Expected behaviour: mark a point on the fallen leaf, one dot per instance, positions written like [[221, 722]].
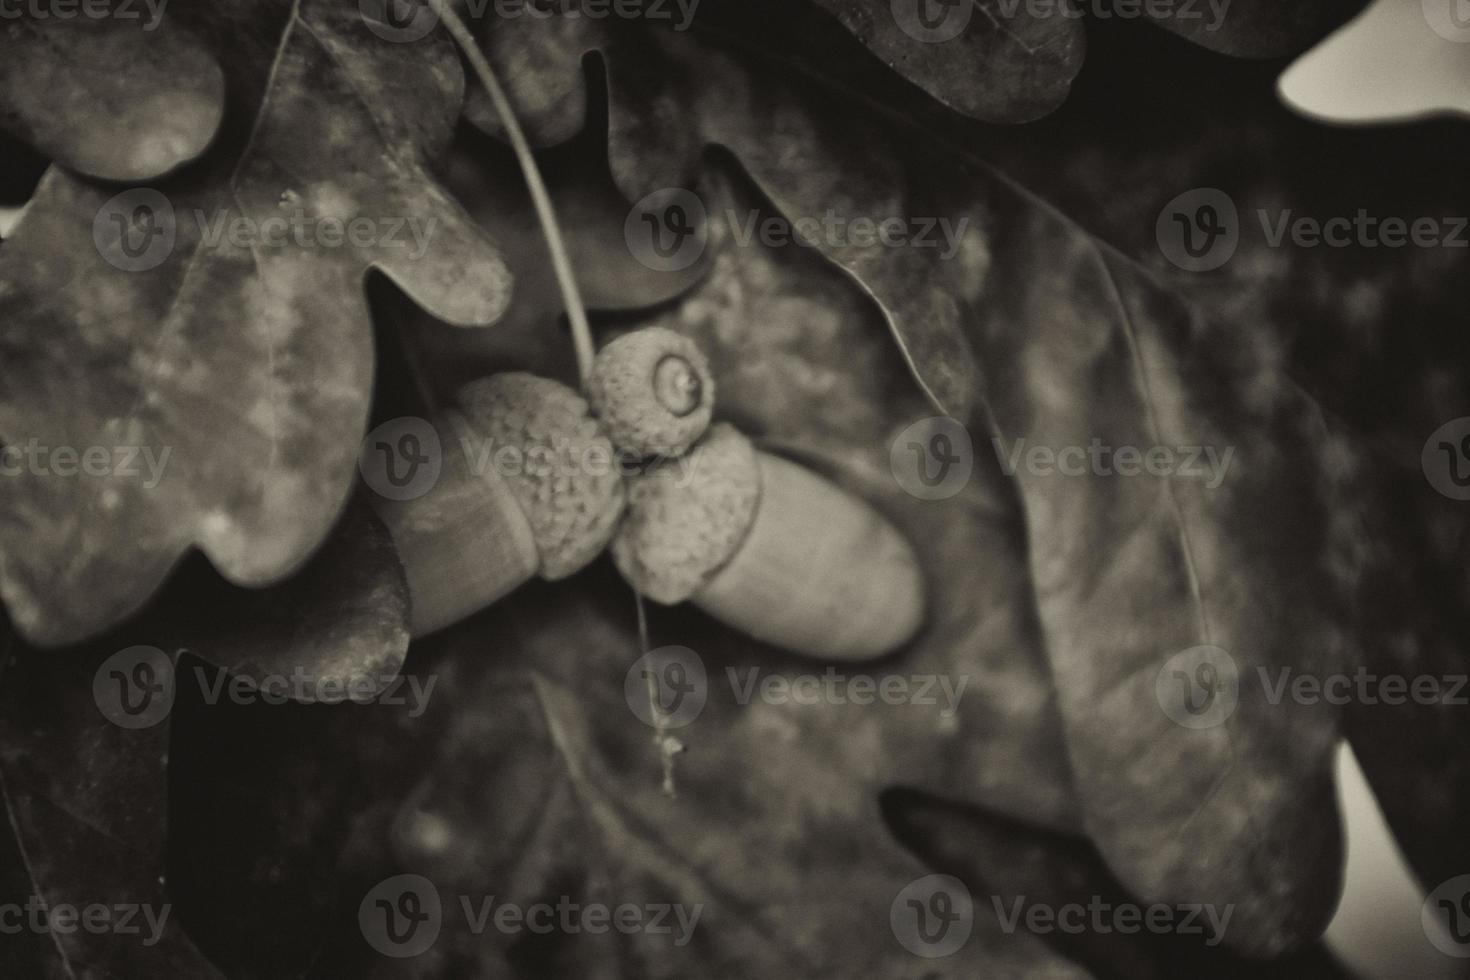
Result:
[[86, 804], [112, 92], [992, 60], [92, 736], [239, 371], [1253, 28], [659, 126], [1078, 345]]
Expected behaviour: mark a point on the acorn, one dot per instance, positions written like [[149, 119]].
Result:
[[534, 490], [653, 390], [772, 549]]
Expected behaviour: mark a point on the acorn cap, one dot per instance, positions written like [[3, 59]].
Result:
[[686, 518], [562, 471], [653, 390]]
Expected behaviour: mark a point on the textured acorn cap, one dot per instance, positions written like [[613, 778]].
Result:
[[653, 390], [687, 517], [563, 473]]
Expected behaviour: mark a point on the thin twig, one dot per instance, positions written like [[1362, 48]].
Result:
[[560, 262], [668, 745]]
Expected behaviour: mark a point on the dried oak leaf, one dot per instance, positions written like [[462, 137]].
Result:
[[239, 363], [1377, 335], [993, 60], [1021, 868], [115, 92], [1077, 345], [660, 126], [1254, 28], [997, 61], [86, 765]]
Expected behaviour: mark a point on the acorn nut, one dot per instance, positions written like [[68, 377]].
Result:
[[533, 491], [771, 548]]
